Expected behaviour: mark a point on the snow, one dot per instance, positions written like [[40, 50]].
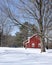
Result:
[[22, 56]]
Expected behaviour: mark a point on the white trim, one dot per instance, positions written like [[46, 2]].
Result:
[[28, 40], [31, 37]]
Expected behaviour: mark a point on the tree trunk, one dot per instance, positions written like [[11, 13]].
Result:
[[0, 39], [42, 44], [41, 29]]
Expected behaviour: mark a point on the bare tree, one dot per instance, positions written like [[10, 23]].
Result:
[[6, 26], [38, 10]]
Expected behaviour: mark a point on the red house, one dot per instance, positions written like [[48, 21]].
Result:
[[32, 42]]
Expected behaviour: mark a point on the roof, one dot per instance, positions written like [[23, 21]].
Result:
[[28, 40], [25, 41], [33, 36]]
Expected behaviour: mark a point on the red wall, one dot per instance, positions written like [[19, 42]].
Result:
[[33, 42]]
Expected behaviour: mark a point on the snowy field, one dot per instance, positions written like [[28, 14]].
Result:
[[22, 56]]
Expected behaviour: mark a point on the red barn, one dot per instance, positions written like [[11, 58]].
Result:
[[32, 42]]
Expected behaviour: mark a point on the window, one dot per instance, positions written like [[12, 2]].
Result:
[[33, 45]]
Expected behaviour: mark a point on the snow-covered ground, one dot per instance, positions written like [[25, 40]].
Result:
[[22, 56]]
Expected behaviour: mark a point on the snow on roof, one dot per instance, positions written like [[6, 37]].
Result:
[[25, 41], [28, 40], [33, 35]]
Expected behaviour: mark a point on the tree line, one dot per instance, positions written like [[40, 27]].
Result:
[[22, 35]]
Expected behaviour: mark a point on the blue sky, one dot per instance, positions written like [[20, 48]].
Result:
[[18, 13], [15, 29]]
